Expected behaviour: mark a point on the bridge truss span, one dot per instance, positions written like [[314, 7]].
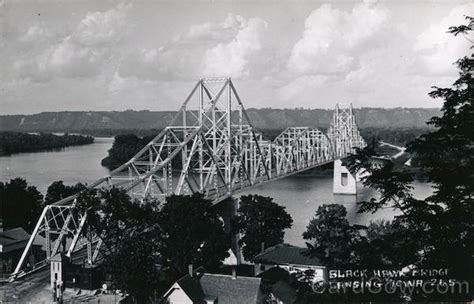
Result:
[[210, 147]]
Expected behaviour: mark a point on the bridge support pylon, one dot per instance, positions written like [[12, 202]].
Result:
[[344, 182]]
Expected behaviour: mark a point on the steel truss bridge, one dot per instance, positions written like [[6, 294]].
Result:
[[210, 147]]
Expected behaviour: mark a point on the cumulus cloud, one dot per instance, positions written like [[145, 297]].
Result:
[[65, 59], [437, 49], [102, 28], [368, 53], [231, 58], [369, 60], [394, 67], [330, 48], [208, 49], [331, 35], [81, 53]]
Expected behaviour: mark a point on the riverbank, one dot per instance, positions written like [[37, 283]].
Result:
[[17, 142]]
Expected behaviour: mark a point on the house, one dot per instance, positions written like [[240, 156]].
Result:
[[207, 288], [12, 244], [292, 259]]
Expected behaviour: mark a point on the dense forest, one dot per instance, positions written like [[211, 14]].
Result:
[[16, 142]]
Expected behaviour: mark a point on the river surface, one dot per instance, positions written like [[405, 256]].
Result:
[[71, 165], [301, 195]]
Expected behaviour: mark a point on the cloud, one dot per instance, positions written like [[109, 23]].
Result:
[[368, 53], [214, 31], [35, 33], [437, 49], [65, 59], [331, 36], [231, 58], [82, 52], [207, 49], [330, 48], [359, 56], [102, 28]]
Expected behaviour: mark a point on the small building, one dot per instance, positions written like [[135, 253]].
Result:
[[207, 288], [290, 258], [12, 244], [76, 273]]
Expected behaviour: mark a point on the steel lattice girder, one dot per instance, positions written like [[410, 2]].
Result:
[[210, 147]]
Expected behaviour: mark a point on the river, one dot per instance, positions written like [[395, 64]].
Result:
[[301, 195], [71, 165]]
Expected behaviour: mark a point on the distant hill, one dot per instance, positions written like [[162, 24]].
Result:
[[261, 118]]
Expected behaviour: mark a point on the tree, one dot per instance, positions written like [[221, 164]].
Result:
[[130, 239], [436, 232], [20, 204], [332, 239], [381, 237], [446, 157], [338, 244], [58, 191], [125, 146], [441, 224], [17, 142], [192, 233], [261, 221], [147, 245]]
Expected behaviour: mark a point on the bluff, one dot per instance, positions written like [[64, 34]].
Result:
[[266, 118]]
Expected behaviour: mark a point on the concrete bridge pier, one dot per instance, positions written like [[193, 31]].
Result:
[[344, 182]]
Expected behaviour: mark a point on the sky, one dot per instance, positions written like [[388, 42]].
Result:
[[80, 55]]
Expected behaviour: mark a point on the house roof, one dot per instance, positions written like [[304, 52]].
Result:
[[231, 290], [192, 288], [14, 235], [285, 254], [224, 288]]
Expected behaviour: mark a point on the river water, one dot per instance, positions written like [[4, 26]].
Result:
[[301, 195], [71, 165]]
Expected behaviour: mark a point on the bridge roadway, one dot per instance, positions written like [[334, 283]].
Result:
[[216, 151], [401, 150]]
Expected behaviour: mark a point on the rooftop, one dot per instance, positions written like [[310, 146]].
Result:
[[224, 288], [16, 238], [192, 288], [231, 290], [14, 235], [285, 254]]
